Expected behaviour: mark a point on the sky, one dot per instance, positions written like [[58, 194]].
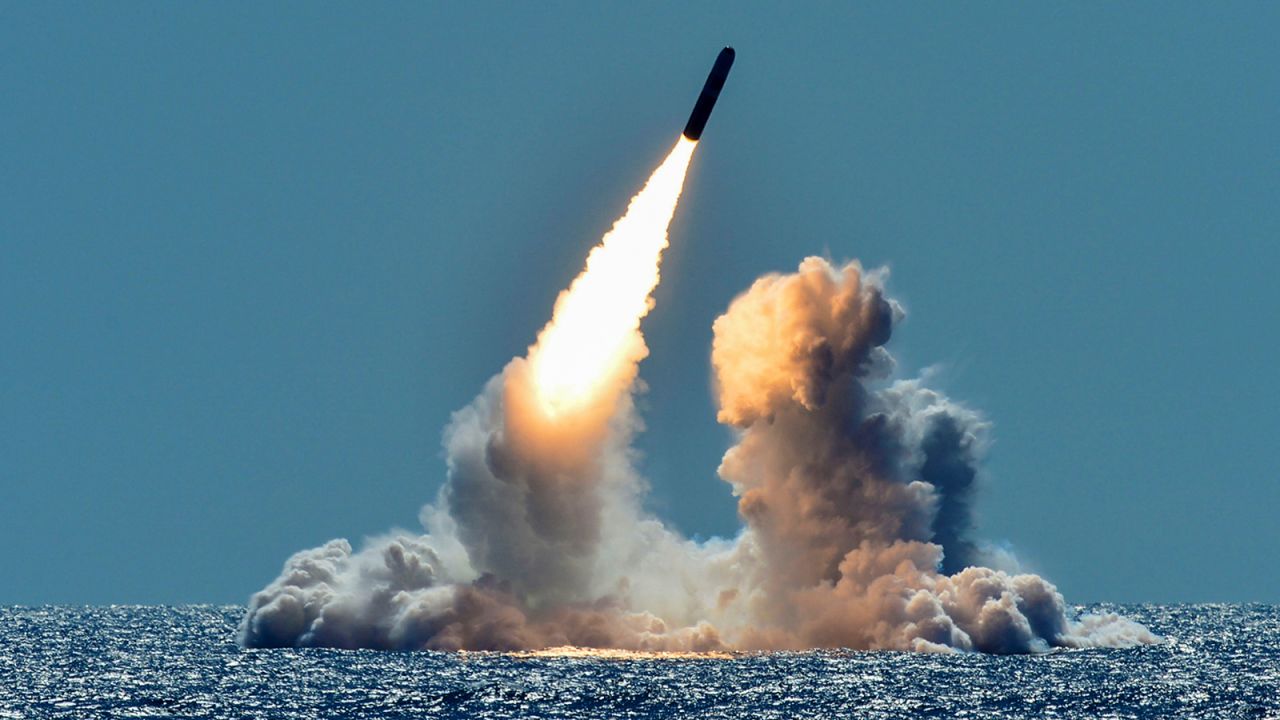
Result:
[[253, 256]]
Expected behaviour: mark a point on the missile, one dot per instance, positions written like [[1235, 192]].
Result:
[[710, 91]]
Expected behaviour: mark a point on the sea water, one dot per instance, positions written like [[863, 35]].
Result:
[[1215, 661]]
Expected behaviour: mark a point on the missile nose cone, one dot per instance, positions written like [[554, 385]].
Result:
[[710, 92]]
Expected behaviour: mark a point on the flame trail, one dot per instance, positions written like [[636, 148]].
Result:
[[593, 332]]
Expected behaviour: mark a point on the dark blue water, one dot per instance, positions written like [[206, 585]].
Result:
[[1217, 661]]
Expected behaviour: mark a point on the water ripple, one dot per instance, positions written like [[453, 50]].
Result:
[[1217, 661]]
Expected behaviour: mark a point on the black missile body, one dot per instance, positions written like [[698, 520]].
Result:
[[710, 91]]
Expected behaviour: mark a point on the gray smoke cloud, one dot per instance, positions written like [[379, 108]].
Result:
[[856, 492]]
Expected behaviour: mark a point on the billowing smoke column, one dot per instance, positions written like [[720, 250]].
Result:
[[855, 491]]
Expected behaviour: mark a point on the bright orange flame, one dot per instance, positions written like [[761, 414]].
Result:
[[594, 332]]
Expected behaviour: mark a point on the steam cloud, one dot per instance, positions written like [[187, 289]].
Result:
[[855, 491]]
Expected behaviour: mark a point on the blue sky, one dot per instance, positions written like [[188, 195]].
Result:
[[251, 258]]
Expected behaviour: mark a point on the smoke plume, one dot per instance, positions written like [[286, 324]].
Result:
[[855, 490]]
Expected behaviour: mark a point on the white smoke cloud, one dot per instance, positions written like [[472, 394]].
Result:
[[856, 493]]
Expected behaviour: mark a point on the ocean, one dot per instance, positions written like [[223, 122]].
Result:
[[1216, 661]]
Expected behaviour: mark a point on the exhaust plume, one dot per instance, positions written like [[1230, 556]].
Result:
[[855, 490], [592, 345]]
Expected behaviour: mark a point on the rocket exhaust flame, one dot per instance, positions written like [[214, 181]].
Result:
[[594, 330]]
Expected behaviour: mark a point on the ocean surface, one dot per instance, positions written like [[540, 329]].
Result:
[[1216, 661]]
